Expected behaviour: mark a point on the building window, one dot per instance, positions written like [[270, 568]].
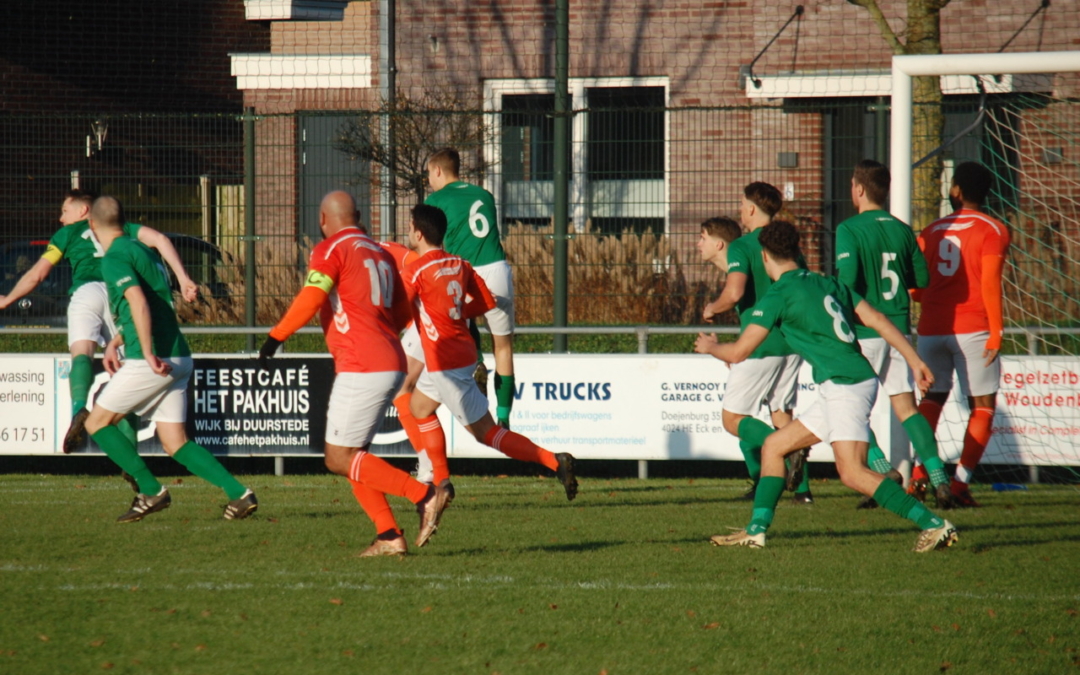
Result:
[[618, 153]]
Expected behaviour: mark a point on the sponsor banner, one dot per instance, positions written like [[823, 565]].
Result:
[[594, 406], [28, 387]]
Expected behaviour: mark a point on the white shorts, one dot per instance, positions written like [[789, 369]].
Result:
[[964, 354], [358, 403], [772, 380], [410, 342], [500, 281], [88, 315], [841, 411], [136, 388], [892, 370], [457, 390]]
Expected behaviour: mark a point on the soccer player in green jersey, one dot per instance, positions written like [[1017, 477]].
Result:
[[473, 234], [878, 257], [89, 323], [770, 375], [152, 380], [816, 314]]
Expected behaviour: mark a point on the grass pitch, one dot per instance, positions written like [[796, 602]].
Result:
[[517, 580]]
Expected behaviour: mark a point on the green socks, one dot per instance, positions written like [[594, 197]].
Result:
[[504, 397], [129, 426], [891, 496], [123, 454], [79, 381], [766, 498], [752, 435], [875, 458], [200, 462], [922, 439]]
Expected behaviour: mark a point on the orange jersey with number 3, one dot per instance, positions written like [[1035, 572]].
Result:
[[367, 306], [444, 293], [955, 247]]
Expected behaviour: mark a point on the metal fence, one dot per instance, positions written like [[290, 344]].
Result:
[[644, 175]]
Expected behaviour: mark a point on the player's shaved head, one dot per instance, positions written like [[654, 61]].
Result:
[[338, 211], [107, 212], [780, 240]]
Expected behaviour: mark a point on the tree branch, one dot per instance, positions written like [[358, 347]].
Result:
[[887, 32]]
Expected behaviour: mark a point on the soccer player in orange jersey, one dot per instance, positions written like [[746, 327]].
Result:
[[353, 284], [445, 293], [961, 324]]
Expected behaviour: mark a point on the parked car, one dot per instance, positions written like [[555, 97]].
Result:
[[47, 304]]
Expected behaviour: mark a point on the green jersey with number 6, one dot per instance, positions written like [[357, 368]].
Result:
[[131, 263], [472, 230], [77, 243], [878, 257], [816, 315]]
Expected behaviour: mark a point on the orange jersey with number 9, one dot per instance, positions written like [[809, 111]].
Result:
[[444, 293]]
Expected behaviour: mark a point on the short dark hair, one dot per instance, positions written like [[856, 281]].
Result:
[[81, 197], [448, 160], [974, 181], [781, 240], [107, 211], [722, 227], [765, 197], [430, 221], [875, 178]]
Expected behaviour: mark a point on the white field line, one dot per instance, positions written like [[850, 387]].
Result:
[[398, 580]]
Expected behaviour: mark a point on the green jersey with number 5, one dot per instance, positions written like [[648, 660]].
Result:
[[131, 263], [816, 316], [472, 230], [77, 243], [878, 257]]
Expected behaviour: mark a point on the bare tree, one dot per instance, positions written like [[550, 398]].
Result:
[[922, 36], [420, 125]]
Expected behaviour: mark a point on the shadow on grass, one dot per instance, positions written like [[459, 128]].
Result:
[[581, 547]]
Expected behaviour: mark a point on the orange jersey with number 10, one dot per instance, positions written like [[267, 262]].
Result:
[[444, 293], [954, 247], [367, 306]]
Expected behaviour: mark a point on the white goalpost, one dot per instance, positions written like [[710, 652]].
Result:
[[906, 67]]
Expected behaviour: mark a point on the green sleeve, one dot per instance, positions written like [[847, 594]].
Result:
[[766, 313], [847, 257], [118, 273], [739, 259], [132, 230], [918, 264]]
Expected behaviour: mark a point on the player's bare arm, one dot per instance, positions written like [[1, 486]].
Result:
[[140, 316], [111, 360], [872, 318], [734, 288], [28, 282], [154, 239], [732, 352]]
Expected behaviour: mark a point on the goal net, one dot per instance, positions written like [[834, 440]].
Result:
[[1029, 140]]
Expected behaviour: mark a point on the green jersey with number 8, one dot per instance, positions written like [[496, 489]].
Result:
[[878, 257], [816, 316], [131, 263], [472, 230]]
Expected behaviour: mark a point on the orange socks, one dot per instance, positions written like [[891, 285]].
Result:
[[375, 506], [383, 477], [975, 440], [434, 441], [516, 446], [408, 422], [931, 410]]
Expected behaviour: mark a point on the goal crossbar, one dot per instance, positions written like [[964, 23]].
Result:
[[906, 67]]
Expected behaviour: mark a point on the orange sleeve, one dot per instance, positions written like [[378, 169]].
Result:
[[992, 267], [401, 306], [479, 300], [303, 308]]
